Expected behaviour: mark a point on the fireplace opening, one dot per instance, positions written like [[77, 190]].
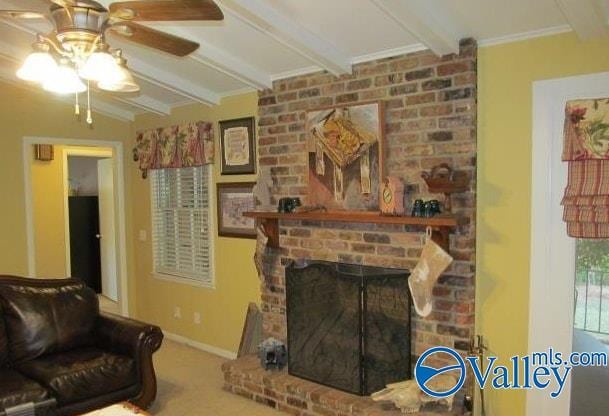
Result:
[[348, 325]]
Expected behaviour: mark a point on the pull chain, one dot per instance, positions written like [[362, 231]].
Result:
[[76, 107], [89, 114]]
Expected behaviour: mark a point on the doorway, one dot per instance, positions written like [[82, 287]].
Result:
[[557, 285], [76, 216], [89, 218]]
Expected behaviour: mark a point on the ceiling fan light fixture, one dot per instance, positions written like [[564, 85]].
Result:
[[38, 64], [64, 80], [102, 67], [126, 84]]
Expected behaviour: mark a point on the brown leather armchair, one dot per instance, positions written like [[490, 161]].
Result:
[[60, 355]]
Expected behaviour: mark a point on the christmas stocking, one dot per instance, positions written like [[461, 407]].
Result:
[[434, 260]]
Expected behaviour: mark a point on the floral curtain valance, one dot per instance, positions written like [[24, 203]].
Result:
[[586, 150], [184, 145]]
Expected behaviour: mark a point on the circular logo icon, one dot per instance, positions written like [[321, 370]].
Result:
[[424, 374]]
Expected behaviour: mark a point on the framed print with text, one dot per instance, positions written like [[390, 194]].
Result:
[[238, 146]]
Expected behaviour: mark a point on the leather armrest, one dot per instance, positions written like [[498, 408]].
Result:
[[136, 340], [127, 336]]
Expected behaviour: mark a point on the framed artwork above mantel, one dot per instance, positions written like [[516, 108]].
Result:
[[238, 146], [346, 156]]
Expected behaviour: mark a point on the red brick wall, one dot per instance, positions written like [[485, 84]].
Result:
[[430, 118]]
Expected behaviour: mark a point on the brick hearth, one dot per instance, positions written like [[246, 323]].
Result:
[[295, 396]]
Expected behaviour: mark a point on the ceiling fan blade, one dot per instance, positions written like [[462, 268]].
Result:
[[78, 3], [165, 10], [22, 14], [154, 38]]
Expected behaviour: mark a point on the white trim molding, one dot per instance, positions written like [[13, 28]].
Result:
[[552, 267], [230, 355], [519, 37], [119, 172]]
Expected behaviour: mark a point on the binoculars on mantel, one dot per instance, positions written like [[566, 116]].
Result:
[[287, 205]]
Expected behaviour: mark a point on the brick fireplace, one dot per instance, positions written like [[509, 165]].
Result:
[[430, 118]]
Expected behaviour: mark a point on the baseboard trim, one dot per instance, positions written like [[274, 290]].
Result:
[[200, 346]]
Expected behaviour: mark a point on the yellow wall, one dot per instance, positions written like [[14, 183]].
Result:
[[31, 113], [223, 308], [505, 76], [47, 206]]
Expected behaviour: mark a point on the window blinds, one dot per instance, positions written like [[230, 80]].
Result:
[[180, 222]]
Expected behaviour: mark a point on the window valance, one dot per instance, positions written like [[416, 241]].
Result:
[[586, 150], [184, 145]]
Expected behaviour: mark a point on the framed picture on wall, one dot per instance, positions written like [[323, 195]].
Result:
[[233, 200], [238, 146]]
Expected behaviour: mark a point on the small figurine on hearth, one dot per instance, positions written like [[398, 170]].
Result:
[[273, 354], [408, 397]]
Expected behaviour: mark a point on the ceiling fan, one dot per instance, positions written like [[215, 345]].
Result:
[[76, 53]]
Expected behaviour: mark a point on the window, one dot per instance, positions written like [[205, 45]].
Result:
[[181, 224]]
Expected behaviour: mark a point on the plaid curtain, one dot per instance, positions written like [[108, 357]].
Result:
[[586, 150], [184, 145]]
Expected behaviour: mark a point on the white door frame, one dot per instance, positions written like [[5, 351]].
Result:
[[119, 172], [67, 152], [552, 268]]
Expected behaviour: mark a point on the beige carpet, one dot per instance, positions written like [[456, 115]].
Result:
[[190, 384]]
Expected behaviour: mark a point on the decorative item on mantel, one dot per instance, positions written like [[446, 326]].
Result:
[[426, 209], [287, 205], [444, 180], [392, 196], [181, 146], [408, 397], [262, 190]]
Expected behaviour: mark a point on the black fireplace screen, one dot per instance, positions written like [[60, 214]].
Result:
[[348, 325]]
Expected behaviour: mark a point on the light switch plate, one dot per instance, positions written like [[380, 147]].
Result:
[[143, 235]]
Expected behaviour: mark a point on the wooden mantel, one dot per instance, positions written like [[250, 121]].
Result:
[[440, 224]]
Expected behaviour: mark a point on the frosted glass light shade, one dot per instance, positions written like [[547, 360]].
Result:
[[127, 84], [37, 67], [64, 80], [101, 67]]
